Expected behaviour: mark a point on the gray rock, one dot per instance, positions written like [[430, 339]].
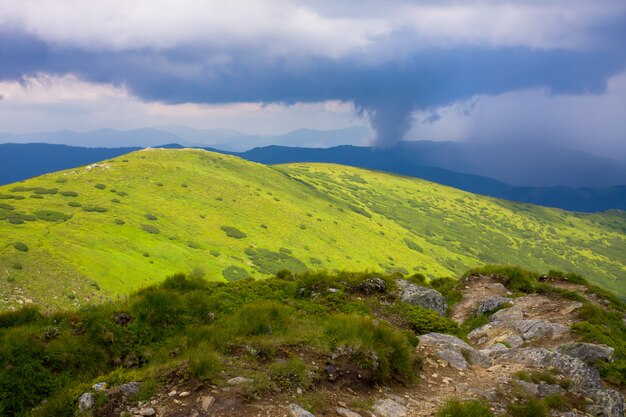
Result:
[[240, 380], [296, 411], [528, 388], [373, 285], [344, 412], [130, 388], [207, 402], [455, 351], [467, 390], [585, 379], [494, 349], [86, 401], [493, 303], [425, 297], [389, 408], [588, 352], [149, 411], [543, 390]]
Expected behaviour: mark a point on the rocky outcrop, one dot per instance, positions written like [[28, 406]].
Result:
[[454, 351], [510, 326], [389, 408], [373, 285], [422, 296], [492, 304], [585, 379], [588, 352], [296, 411]]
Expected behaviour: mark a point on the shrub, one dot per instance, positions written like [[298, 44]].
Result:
[[61, 180], [100, 186], [269, 262], [512, 277], [150, 229], [423, 320], [6, 207], [20, 246], [204, 362], [530, 408], [74, 204], [119, 222], [115, 200], [215, 253], [37, 196], [51, 216], [290, 373], [456, 408], [150, 216], [234, 273], [96, 209], [69, 193], [193, 245], [393, 354], [25, 315], [315, 261], [17, 265], [413, 245], [233, 232], [267, 318]]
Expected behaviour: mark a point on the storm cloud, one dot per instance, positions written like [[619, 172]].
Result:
[[390, 59]]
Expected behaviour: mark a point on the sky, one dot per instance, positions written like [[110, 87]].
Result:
[[548, 71]]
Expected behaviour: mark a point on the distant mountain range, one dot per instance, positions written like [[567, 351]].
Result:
[[427, 160]]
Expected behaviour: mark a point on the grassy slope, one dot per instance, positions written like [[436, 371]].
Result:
[[310, 209]]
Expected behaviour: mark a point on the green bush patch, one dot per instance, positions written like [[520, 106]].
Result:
[[233, 232], [69, 193], [269, 262], [22, 247], [413, 245], [150, 229], [234, 273], [150, 216], [74, 204], [97, 209], [51, 216], [100, 186]]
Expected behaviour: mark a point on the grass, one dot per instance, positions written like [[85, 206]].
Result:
[[456, 408], [424, 226], [251, 328]]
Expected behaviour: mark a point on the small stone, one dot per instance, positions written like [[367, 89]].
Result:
[[344, 412], [130, 388], [296, 411], [447, 380], [299, 391], [239, 380], [100, 386], [172, 393], [184, 394], [207, 402], [147, 412], [86, 401]]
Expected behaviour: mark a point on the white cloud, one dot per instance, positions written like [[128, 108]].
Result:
[[45, 102], [281, 27]]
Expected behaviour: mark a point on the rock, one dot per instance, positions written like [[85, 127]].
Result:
[[373, 285], [425, 297], [455, 351], [296, 411], [467, 390], [389, 408], [86, 401], [130, 388], [588, 352], [496, 287], [122, 319], [585, 379], [498, 347], [149, 411], [184, 394], [344, 412], [100, 386], [543, 390], [207, 402], [528, 388], [172, 393], [239, 380], [493, 303]]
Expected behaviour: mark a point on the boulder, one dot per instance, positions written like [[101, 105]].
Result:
[[588, 352], [130, 388], [344, 412], [389, 408], [296, 411], [240, 380], [454, 350], [86, 401], [422, 296], [149, 411], [492, 304], [373, 285]]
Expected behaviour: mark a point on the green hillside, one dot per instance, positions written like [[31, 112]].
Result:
[[98, 232]]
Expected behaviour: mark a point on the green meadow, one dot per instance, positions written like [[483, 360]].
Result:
[[96, 233]]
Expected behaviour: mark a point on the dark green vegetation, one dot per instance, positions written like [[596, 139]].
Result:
[[327, 217], [267, 323], [456, 408]]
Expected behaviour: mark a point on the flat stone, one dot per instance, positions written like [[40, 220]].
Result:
[[147, 412], [207, 402], [493, 303], [239, 380], [389, 408], [296, 411], [130, 388], [344, 412], [588, 352], [86, 401], [184, 394]]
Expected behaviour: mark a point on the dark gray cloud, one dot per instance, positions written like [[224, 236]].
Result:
[[398, 72]]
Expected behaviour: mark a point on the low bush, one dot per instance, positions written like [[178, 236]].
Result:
[[290, 373], [456, 408], [51, 216], [150, 216], [150, 229], [69, 193], [423, 320], [22, 247], [269, 262], [119, 222], [74, 204], [234, 273], [529, 408], [96, 209], [204, 363], [100, 186], [233, 232], [512, 277]]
